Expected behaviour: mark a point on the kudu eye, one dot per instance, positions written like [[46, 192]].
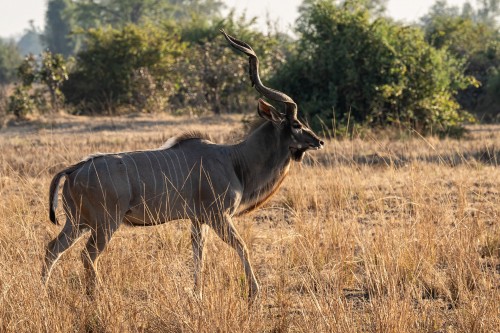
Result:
[[297, 126]]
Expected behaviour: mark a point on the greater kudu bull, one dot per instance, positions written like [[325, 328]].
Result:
[[188, 178]]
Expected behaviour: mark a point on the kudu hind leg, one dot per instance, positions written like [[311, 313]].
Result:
[[66, 238], [198, 236], [96, 243], [227, 232]]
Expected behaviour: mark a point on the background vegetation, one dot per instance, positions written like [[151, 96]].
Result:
[[347, 65]]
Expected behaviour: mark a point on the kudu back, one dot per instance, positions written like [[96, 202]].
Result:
[[188, 178]]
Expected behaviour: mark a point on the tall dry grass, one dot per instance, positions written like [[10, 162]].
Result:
[[368, 235]]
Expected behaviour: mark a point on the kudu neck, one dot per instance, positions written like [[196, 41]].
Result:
[[262, 158]]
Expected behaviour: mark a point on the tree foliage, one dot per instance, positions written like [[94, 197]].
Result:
[[59, 25], [472, 35], [137, 65], [123, 66], [118, 13], [9, 60], [30, 42], [52, 72], [349, 67], [21, 102], [349, 63], [48, 72], [214, 77]]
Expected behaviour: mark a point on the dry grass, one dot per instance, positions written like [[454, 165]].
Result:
[[371, 235]]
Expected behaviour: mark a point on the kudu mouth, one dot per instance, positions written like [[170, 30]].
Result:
[[318, 146], [298, 153]]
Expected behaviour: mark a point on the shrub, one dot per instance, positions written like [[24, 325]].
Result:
[[49, 72], [213, 77], [348, 67], [473, 35], [123, 66], [9, 60]]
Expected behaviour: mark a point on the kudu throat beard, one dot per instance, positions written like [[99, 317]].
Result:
[[297, 154]]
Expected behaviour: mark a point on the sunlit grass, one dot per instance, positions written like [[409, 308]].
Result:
[[368, 235]]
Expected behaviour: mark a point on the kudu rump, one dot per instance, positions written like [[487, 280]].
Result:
[[188, 178]]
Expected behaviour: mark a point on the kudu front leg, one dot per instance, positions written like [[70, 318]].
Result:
[[198, 236], [227, 232]]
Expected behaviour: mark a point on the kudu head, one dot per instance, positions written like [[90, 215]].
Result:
[[298, 136]]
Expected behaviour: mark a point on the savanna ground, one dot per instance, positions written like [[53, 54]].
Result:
[[368, 235]]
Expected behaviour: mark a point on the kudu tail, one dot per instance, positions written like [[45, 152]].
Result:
[[54, 189]]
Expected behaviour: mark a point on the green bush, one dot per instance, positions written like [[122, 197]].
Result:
[[348, 67], [20, 102], [48, 73], [213, 77], [126, 66], [10, 59], [52, 73], [476, 40]]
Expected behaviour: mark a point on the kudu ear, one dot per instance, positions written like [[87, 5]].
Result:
[[267, 111]]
